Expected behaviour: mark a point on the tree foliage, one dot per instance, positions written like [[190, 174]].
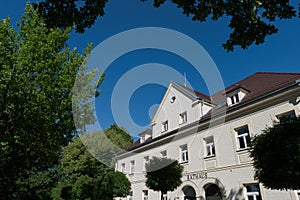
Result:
[[82, 176], [38, 71], [163, 174], [118, 136], [276, 155], [251, 21]]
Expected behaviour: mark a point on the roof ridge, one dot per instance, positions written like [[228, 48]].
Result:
[[188, 88], [282, 73], [256, 73]]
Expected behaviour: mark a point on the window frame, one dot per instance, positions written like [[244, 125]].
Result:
[[165, 126], [143, 138], [235, 99], [163, 154], [132, 167], [123, 165], [145, 162], [246, 136], [165, 196], [210, 147], [184, 154], [256, 195], [130, 196], [289, 114], [183, 117], [145, 194], [298, 194]]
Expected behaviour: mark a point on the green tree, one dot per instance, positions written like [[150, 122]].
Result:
[[163, 174], [251, 21], [38, 71], [82, 176], [118, 136], [276, 155]]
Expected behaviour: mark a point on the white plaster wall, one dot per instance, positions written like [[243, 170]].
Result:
[[229, 169], [170, 111]]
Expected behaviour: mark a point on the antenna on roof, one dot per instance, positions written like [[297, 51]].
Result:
[[184, 79]]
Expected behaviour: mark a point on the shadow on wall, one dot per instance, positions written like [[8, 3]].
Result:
[[235, 194]]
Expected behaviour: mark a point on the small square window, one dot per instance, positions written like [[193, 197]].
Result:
[[298, 194], [243, 137], [252, 191], [163, 154], [183, 118], [210, 146], [184, 154], [165, 126]]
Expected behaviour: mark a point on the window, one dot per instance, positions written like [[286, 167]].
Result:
[[243, 137], [235, 95], [146, 160], [252, 191], [132, 167], [165, 126], [123, 167], [298, 194], [163, 154], [210, 146], [145, 194], [234, 99], [184, 154], [183, 118], [165, 196], [288, 115], [130, 197], [143, 138]]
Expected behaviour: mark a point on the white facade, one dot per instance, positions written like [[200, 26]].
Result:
[[213, 150]]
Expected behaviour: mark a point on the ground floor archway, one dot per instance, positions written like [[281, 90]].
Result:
[[189, 193], [212, 192]]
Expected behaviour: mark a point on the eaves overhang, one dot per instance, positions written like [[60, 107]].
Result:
[[204, 120]]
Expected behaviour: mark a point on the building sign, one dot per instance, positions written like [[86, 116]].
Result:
[[196, 176]]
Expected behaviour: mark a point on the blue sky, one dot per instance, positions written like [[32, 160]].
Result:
[[280, 53]]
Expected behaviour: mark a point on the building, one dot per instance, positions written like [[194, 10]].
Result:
[[209, 135]]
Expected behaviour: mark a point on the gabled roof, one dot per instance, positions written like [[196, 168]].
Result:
[[256, 85], [188, 92], [195, 92]]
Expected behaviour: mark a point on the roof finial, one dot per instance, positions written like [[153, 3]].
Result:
[[184, 79]]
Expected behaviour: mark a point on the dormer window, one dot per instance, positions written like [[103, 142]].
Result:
[[235, 95], [145, 135], [143, 139], [235, 99]]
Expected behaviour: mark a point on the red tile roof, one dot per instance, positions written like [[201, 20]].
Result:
[[259, 83], [137, 143], [256, 85]]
